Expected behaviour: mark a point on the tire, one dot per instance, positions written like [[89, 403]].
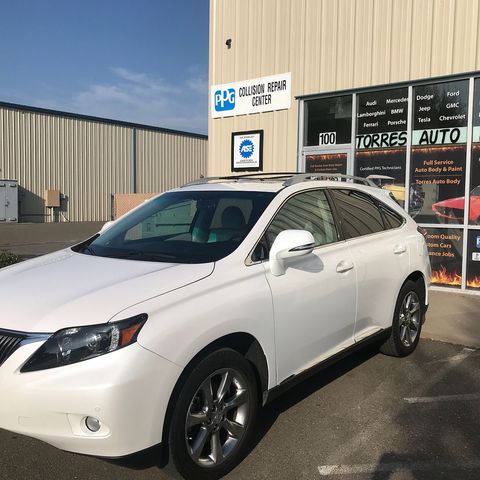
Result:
[[407, 321], [209, 434]]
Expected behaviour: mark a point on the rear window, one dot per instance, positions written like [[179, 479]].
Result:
[[390, 218], [359, 213]]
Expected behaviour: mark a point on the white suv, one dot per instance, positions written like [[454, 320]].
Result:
[[178, 321]]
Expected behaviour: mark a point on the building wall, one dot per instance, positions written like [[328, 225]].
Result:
[[330, 45], [183, 159], [89, 161]]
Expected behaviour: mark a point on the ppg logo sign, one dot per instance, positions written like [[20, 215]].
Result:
[[225, 99]]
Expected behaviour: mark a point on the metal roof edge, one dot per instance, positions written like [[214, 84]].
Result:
[[91, 118]]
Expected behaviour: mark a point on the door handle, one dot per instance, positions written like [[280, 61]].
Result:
[[344, 266], [399, 249]]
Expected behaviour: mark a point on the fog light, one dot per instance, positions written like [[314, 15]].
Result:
[[93, 424]]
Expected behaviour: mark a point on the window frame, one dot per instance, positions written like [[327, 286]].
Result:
[[377, 203], [249, 260], [393, 212]]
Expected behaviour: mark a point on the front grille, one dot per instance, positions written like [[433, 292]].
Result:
[[9, 342]]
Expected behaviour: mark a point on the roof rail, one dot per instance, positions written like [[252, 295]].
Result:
[[292, 178], [304, 177], [247, 176]]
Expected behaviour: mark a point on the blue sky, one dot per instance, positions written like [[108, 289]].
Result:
[[142, 61]]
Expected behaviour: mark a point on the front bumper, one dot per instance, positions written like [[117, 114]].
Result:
[[127, 390]]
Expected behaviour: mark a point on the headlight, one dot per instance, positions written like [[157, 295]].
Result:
[[73, 345]]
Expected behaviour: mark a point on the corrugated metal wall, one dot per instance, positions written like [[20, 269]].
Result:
[[166, 160], [330, 45], [88, 161]]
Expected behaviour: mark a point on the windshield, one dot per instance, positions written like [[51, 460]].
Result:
[[182, 227]]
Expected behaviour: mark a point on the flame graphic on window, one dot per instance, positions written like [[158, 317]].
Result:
[[446, 278], [473, 282]]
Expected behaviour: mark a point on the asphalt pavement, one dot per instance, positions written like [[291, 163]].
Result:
[[32, 239], [368, 417]]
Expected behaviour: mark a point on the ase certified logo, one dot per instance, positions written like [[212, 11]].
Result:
[[246, 148], [224, 99]]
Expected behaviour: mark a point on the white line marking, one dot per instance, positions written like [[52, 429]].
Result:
[[358, 441], [466, 352], [327, 470], [444, 398]]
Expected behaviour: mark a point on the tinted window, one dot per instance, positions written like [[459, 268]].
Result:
[[390, 218], [306, 211], [359, 213], [328, 116], [183, 227]]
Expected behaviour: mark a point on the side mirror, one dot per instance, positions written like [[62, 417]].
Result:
[[289, 243], [106, 225]]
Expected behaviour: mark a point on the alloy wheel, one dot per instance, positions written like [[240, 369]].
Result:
[[217, 417], [409, 319]]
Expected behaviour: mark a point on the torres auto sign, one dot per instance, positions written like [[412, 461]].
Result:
[[251, 96]]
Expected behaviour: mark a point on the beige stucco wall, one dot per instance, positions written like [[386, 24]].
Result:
[[330, 45]]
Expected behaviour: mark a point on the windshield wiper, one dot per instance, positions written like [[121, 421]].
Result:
[[89, 249], [85, 245], [151, 256]]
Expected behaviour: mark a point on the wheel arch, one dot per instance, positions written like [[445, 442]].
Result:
[[243, 343], [419, 278]]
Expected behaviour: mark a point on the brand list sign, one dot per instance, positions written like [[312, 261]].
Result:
[[251, 96], [382, 119], [440, 113]]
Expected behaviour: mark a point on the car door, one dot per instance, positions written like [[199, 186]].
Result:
[[381, 256], [314, 301]]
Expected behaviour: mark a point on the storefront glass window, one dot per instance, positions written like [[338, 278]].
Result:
[[381, 137], [445, 247], [438, 154], [326, 163], [474, 215], [438, 184], [473, 245], [438, 144], [328, 121], [473, 260]]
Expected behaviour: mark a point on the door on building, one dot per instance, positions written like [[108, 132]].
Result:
[[327, 160], [8, 201]]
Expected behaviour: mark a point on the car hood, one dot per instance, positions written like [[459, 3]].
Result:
[[67, 289]]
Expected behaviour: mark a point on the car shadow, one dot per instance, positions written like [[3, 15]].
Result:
[[270, 412], [158, 456], [442, 436]]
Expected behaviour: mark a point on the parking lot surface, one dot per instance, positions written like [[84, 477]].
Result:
[[32, 239], [368, 417]]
